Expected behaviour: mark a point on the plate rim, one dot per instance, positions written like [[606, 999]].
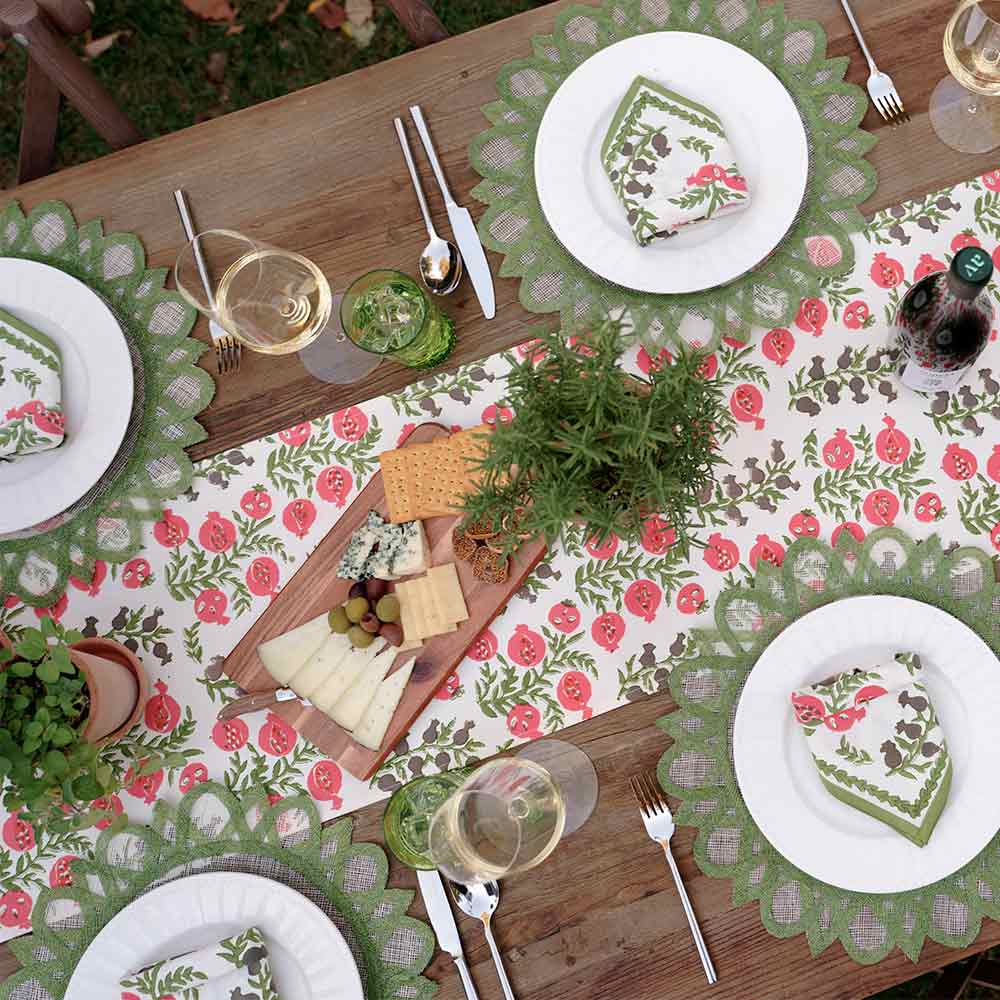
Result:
[[647, 286]]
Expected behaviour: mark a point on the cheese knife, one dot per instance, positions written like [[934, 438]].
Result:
[[258, 701], [462, 226], [443, 921]]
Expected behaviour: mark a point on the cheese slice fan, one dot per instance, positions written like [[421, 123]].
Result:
[[353, 702], [308, 678], [283, 655], [348, 670], [372, 728]]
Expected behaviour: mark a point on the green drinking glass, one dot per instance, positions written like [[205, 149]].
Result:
[[407, 818], [387, 313]]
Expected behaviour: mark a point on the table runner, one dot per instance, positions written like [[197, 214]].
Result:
[[213, 830], [817, 432], [707, 681]]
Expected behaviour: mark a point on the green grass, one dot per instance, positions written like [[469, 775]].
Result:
[[158, 78]]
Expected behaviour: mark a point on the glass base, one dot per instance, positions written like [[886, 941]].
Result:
[[332, 358], [573, 772], [963, 120]]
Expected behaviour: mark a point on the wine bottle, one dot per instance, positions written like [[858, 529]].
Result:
[[944, 322]]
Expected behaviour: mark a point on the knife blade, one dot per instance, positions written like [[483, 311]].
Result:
[[443, 921], [462, 226]]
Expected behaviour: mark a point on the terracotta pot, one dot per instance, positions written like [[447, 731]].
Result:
[[116, 683]]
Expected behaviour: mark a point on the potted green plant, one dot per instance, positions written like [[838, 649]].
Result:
[[592, 448], [62, 697]]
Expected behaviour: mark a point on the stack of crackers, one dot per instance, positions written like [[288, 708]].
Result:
[[432, 480]]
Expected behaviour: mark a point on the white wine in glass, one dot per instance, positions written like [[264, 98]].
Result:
[[963, 109]]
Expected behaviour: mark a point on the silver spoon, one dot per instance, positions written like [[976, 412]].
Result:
[[440, 261], [480, 900]]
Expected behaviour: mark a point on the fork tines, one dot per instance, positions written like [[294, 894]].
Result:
[[228, 353], [647, 793], [890, 107]]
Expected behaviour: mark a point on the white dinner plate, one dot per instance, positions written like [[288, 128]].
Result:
[[763, 127], [310, 960], [821, 835], [97, 387]]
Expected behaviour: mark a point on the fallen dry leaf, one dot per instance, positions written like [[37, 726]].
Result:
[[93, 47], [236, 29], [331, 15], [280, 9], [360, 34], [359, 12], [211, 10], [215, 68]]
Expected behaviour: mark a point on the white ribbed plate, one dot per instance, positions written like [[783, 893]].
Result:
[[310, 960], [782, 789]]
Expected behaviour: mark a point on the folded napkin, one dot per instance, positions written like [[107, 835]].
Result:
[[235, 969], [30, 390], [878, 746], [670, 162]]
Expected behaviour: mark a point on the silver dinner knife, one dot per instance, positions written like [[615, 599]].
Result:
[[443, 921], [462, 226]]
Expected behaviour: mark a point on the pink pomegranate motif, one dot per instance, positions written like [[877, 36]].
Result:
[[404, 433], [647, 364], [324, 783], [574, 692], [136, 573], [526, 647], [842, 721], [494, 414], [484, 646], [767, 550], [532, 350], [607, 630], [886, 272], [857, 315], [565, 617], [964, 239], [262, 577], [192, 775], [928, 507], [210, 607], [991, 180], [721, 554], [746, 403], [231, 735], [643, 599], [99, 576], [808, 708], [350, 424], [805, 524], [959, 463], [823, 251], [712, 173], [868, 693], [54, 611], [995, 536], [708, 368], [928, 265], [15, 909], [777, 345], [276, 737], [993, 465], [49, 421], [61, 874], [601, 549], [657, 536], [891, 444], [11, 601], [334, 484], [143, 786], [449, 689], [852, 528], [838, 452], [523, 721], [18, 834], [995, 257], [881, 507], [162, 711], [690, 598], [299, 516], [812, 316], [109, 805], [217, 533], [256, 502], [171, 530], [296, 435]]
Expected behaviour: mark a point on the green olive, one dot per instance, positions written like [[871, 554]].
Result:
[[387, 608], [359, 637], [337, 620], [356, 608]]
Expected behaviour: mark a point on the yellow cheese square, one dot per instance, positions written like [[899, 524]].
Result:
[[446, 591]]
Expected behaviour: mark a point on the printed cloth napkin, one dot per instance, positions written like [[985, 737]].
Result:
[[31, 417], [878, 745], [235, 969], [670, 162]]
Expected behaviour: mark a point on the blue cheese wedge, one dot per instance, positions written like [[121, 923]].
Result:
[[374, 724], [353, 702], [283, 655], [413, 552], [380, 563], [361, 545], [347, 671]]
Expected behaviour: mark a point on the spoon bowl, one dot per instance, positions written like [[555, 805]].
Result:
[[480, 900], [440, 266]]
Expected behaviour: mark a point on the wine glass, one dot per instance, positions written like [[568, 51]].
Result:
[[961, 111], [509, 815]]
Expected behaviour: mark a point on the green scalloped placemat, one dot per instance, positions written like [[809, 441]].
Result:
[[157, 323], [211, 830], [818, 247], [698, 768]]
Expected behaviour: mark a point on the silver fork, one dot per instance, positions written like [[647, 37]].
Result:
[[660, 826], [880, 86], [228, 350]]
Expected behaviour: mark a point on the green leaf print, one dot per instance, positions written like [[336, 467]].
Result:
[[418, 400], [29, 869], [929, 213], [171, 751], [838, 296], [763, 488], [442, 747], [979, 506], [192, 642], [294, 468], [853, 754], [601, 583], [858, 371], [962, 411], [26, 377], [698, 145], [282, 775]]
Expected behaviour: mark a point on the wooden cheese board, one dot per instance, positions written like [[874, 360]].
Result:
[[315, 589]]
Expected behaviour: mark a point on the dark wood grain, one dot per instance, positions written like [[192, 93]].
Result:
[[418, 18], [40, 120], [316, 588]]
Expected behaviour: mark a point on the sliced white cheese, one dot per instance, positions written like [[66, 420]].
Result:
[[413, 552], [352, 704], [372, 728], [348, 670], [283, 655], [308, 678]]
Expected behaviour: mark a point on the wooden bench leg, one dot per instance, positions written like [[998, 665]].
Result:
[[38, 132], [420, 22]]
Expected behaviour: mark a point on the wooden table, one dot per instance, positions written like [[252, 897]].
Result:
[[319, 171]]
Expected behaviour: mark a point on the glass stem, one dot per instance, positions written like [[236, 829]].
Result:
[[974, 104]]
